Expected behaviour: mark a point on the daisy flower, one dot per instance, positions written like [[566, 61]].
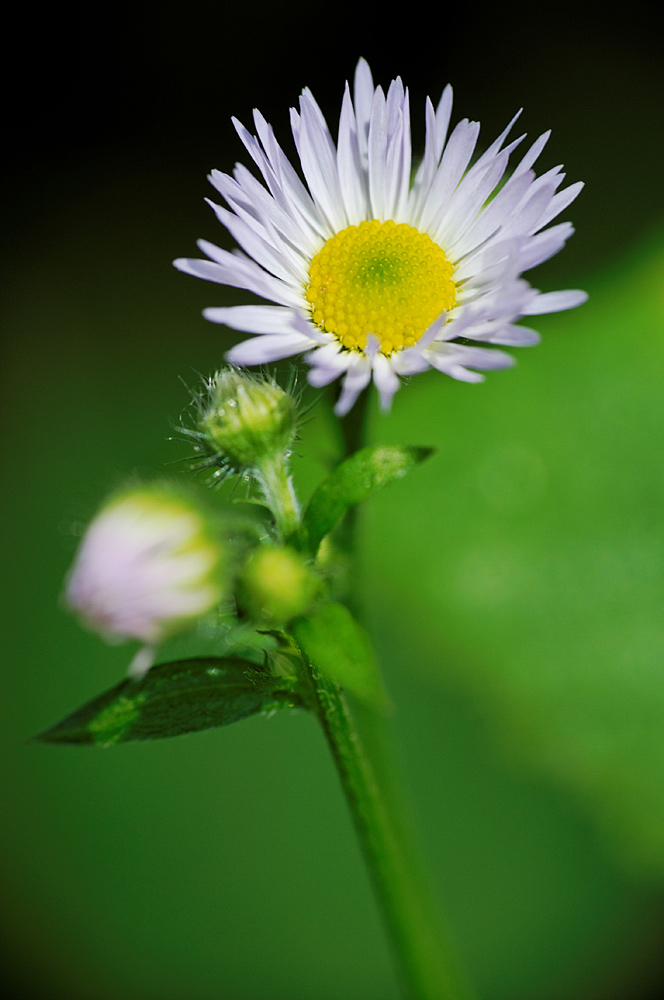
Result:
[[372, 274]]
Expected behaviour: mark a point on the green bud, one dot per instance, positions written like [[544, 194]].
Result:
[[247, 418], [277, 585]]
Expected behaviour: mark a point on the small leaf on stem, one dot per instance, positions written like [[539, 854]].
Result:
[[353, 481], [175, 698], [331, 638]]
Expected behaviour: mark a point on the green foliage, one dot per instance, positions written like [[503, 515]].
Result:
[[176, 698], [353, 481], [539, 584], [331, 639]]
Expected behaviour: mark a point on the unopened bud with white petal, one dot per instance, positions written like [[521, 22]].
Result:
[[150, 564]]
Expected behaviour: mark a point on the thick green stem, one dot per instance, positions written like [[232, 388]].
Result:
[[357, 740]]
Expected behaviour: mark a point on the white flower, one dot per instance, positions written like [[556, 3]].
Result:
[[148, 566], [375, 276]]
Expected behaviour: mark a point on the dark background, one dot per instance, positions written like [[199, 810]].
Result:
[[155, 85], [526, 562]]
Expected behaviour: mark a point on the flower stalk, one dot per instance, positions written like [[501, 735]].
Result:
[[356, 737], [274, 480]]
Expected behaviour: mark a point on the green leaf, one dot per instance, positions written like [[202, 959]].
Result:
[[176, 698], [332, 640], [353, 481]]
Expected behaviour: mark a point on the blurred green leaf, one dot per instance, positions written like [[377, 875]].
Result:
[[175, 698], [539, 583], [353, 481], [332, 639]]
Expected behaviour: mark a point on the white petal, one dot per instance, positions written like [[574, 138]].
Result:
[[527, 214], [450, 356], [319, 164], [245, 191], [561, 201], [436, 133], [549, 302], [205, 269], [483, 358], [352, 177], [462, 374], [544, 245], [320, 377], [507, 201], [356, 379], [386, 380], [443, 114], [427, 168], [456, 157], [241, 272], [398, 149], [432, 332], [253, 319], [363, 99], [327, 364], [280, 175], [532, 154], [497, 144], [377, 150], [411, 361], [330, 355], [271, 347], [457, 228], [462, 324], [506, 334], [497, 262], [267, 253]]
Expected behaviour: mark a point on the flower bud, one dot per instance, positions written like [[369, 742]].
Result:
[[277, 585], [149, 565], [246, 419]]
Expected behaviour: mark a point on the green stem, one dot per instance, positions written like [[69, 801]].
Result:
[[357, 740], [354, 424], [353, 428], [276, 484]]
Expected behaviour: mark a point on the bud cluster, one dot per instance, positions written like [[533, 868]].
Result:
[[154, 560]]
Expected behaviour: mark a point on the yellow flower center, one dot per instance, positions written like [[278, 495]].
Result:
[[379, 278]]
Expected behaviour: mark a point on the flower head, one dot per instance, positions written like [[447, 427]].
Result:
[[149, 565], [372, 275]]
